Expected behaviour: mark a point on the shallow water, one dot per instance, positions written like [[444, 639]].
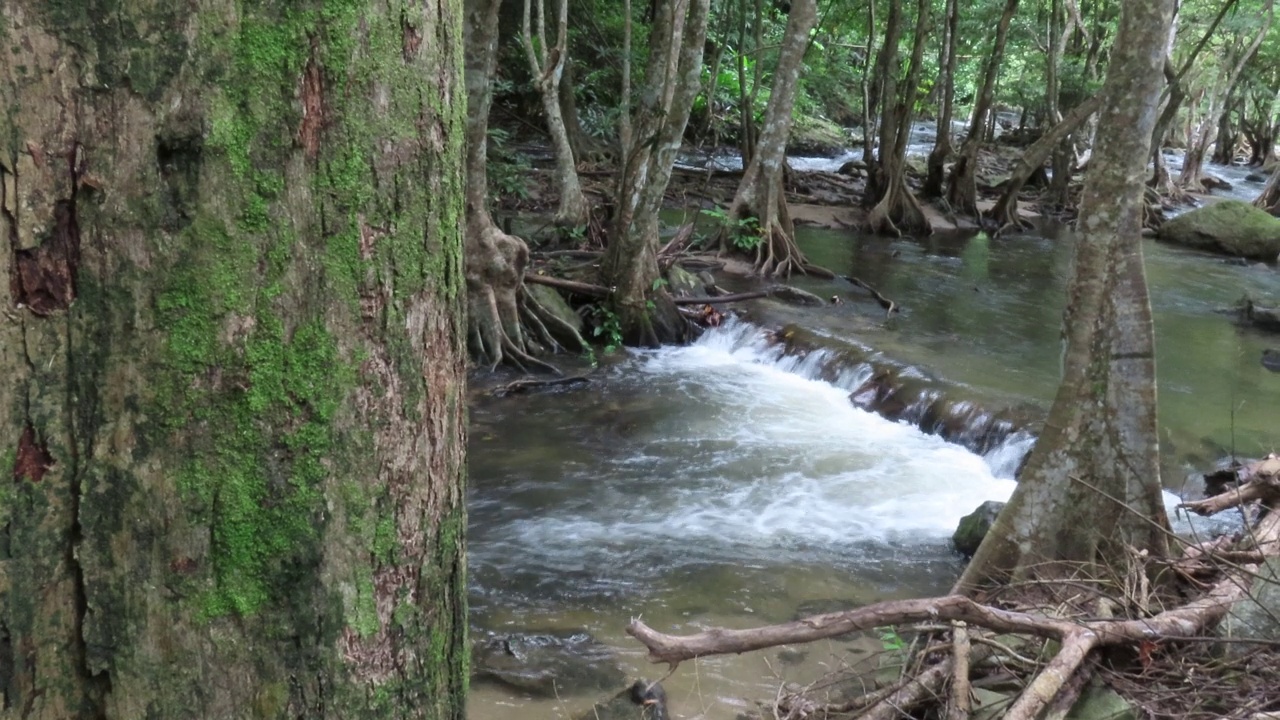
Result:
[[724, 484]]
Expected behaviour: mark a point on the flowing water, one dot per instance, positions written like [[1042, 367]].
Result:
[[728, 484]]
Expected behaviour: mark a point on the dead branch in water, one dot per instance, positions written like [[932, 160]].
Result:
[[888, 305], [520, 386], [573, 286]]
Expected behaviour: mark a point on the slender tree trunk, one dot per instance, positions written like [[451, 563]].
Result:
[[505, 324], [624, 121], [1005, 212], [962, 187], [1090, 493], [760, 194], [870, 92], [645, 312], [546, 65], [1224, 150], [232, 367], [897, 210], [947, 78]]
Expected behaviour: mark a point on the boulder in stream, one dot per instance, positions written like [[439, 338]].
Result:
[[974, 526], [1231, 227], [644, 700], [548, 664]]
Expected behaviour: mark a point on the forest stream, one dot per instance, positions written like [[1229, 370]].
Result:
[[725, 483]]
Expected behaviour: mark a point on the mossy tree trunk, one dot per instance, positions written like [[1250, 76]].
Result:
[[231, 360], [896, 209], [646, 313], [505, 324], [947, 79], [962, 183], [760, 194], [1090, 495]]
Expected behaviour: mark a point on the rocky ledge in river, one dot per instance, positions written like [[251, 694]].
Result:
[[547, 664]]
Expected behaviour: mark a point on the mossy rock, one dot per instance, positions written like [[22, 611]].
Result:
[[974, 526], [817, 137], [683, 283], [554, 303], [1231, 227], [1099, 702]]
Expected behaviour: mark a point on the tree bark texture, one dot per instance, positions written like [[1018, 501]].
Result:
[[962, 185], [1098, 448], [672, 80], [231, 370], [760, 193]]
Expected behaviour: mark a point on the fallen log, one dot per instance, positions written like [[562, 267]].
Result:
[[596, 291]]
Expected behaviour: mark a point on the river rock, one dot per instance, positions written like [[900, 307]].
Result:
[[548, 664], [1271, 359], [974, 526], [1255, 178], [1213, 182], [683, 283], [1256, 616], [642, 701], [1231, 227], [1259, 316], [1099, 702], [555, 303]]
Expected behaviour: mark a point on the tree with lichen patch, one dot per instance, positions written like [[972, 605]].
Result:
[[505, 323], [1090, 495], [231, 360]]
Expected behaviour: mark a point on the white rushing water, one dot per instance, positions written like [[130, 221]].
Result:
[[744, 456]]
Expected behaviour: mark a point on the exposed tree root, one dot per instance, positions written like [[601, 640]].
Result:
[[889, 306], [1269, 199], [898, 212], [523, 386], [506, 324], [1052, 689]]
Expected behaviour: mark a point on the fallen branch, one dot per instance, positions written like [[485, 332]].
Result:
[[959, 706], [596, 291], [520, 386], [1262, 482], [785, 292], [888, 305]]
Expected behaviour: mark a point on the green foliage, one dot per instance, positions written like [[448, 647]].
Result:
[[890, 640], [743, 232], [509, 170], [606, 327]]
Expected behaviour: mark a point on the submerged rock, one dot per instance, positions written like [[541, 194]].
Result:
[[548, 664], [1231, 227], [974, 526], [644, 700], [1256, 616]]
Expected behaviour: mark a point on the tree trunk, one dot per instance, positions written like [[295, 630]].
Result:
[[645, 312], [760, 194], [947, 78], [870, 92], [231, 361], [505, 324], [1269, 198], [546, 65], [1091, 492], [897, 210], [1005, 212], [962, 186]]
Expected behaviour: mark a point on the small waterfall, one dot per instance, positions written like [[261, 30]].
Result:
[[901, 394]]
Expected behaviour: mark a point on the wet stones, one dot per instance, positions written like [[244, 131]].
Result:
[[974, 526], [548, 664], [644, 700]]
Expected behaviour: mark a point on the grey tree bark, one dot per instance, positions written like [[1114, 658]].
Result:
[[760, 194], [232, 360], [942, 149], [1098, 453], [646, 314]]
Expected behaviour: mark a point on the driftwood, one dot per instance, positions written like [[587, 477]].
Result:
[[1054, 688], [573, 286], [783, 292], [888, 305]]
